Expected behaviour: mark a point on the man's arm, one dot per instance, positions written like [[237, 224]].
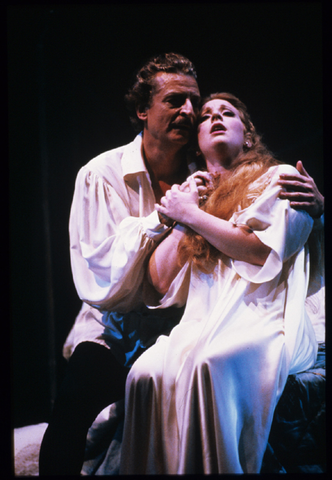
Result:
[[302, 192], [108, 246]]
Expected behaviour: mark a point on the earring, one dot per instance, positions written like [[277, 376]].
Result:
[[248, 144]]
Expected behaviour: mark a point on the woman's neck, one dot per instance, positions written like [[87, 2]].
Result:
[[215, 167], [221, 165]]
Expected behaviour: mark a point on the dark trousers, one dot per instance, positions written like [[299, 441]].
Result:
[[94, 379]]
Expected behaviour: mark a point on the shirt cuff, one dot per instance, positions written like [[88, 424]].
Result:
[[152, 226]]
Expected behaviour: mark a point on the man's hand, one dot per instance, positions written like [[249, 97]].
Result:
[[302, 192]]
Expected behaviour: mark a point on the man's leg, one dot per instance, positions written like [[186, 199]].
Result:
[[94, 379]]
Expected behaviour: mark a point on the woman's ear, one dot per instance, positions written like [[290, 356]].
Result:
[[247, 140]]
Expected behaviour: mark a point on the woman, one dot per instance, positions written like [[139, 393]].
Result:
[[202, 399]]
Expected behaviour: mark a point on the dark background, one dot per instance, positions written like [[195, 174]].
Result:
[[68, 71]]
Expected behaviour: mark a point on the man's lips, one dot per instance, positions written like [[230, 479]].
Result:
[[185, 126]]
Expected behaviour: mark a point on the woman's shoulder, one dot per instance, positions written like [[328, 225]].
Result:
[[283, 168], [269, 179]]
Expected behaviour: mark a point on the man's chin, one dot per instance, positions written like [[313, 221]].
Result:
[[181, 135]]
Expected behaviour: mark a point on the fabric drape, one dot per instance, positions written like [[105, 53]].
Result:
[[202, 399]]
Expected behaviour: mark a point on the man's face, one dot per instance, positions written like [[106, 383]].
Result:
[[173, 110]]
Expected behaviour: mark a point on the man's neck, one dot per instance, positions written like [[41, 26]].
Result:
[[164, 162], [165, 166]]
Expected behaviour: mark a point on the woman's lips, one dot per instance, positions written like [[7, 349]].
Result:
[[217, 127]]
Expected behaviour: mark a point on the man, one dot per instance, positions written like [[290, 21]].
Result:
[[113, 230]]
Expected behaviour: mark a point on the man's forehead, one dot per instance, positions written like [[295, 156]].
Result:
[[165, 82]]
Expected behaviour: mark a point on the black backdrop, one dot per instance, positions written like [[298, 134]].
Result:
[[68, 70]]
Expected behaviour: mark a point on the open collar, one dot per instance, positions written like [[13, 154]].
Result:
[[132, 159]]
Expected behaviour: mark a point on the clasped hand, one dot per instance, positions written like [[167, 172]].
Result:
[[181, 201], [203, 180]]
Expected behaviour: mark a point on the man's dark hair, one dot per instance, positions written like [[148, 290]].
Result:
[[140, 94]]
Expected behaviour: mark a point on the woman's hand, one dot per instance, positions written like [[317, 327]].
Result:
[[204, 182], [180, 204], [304, 194]]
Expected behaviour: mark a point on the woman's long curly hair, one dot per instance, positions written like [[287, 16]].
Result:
[[231, 193]]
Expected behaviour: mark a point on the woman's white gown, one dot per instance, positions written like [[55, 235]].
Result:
[[202, 399]]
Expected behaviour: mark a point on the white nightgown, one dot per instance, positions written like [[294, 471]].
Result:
[[202, 400]]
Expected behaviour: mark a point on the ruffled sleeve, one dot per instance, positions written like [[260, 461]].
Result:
[[280, 227], [108, 246]]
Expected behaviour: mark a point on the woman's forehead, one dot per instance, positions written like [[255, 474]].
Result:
[[219, 104]]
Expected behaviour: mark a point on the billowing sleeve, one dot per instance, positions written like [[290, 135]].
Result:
[[108, 246], [280, 227]]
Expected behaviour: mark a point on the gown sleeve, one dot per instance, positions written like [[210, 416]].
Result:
[[279, 226], [108, 246]]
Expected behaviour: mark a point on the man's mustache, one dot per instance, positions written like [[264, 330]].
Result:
[[183, 123]]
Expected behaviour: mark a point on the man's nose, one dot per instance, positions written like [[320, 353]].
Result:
[[187, 108]]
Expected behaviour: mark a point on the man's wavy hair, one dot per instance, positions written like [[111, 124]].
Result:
[[230, 193], [140, 94]]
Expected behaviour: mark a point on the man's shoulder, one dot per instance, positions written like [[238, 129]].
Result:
[[108, 163], [109, 157]]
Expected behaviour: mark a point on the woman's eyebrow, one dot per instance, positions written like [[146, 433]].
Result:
[[226, 107], [221, 108], [206, 110]]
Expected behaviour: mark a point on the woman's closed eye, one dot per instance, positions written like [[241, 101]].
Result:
[[228, 113], [203, 118], [206, 116]]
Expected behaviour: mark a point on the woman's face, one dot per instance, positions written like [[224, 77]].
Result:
[[220, 131]]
